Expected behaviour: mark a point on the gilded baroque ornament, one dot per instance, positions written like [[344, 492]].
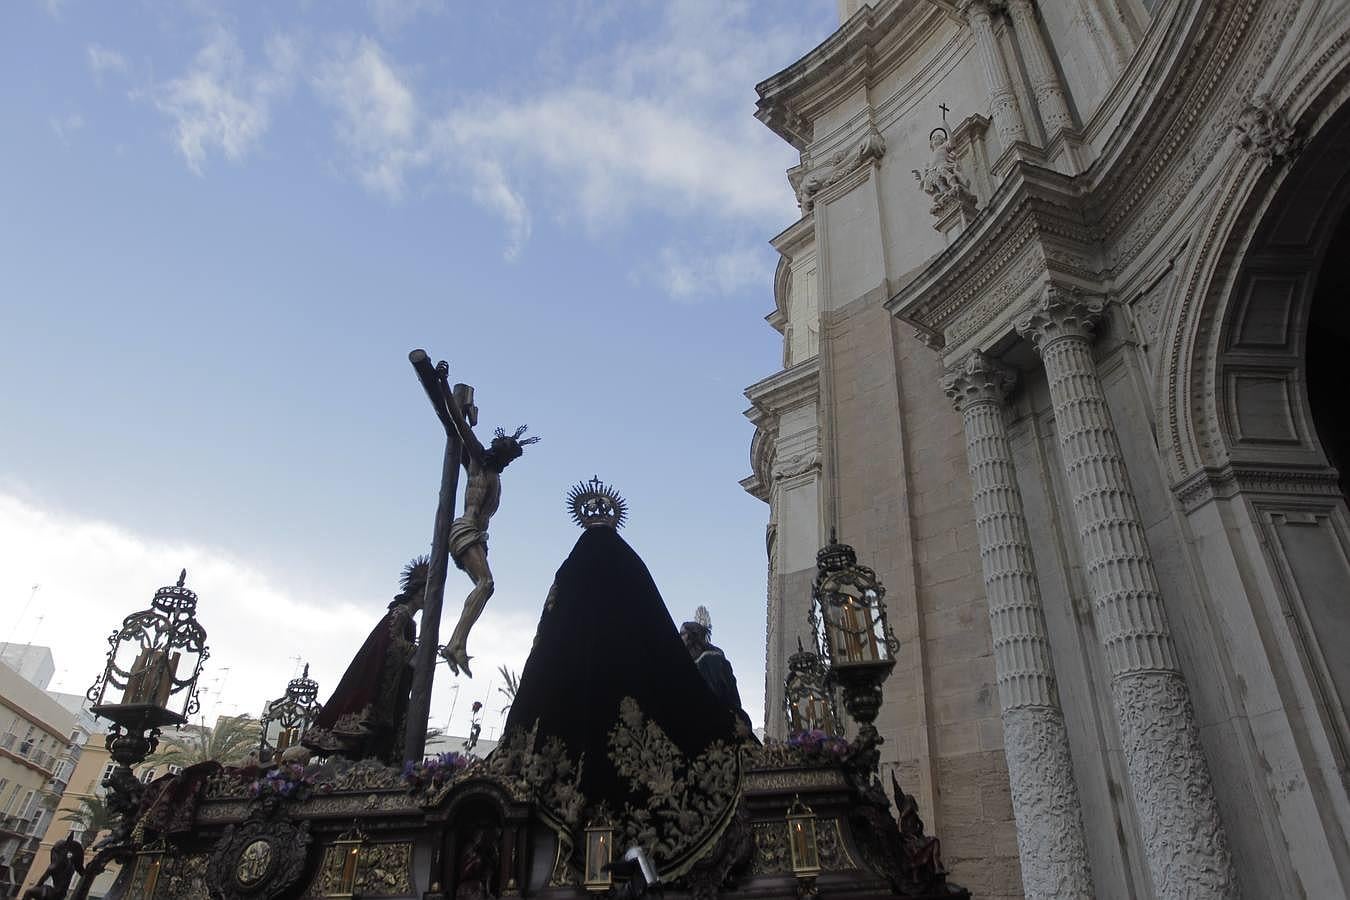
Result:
[[687, 802], [261, 858], [382, 870]]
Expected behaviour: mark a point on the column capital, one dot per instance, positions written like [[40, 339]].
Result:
[[1061, 312], [977, 7], [978, 379]]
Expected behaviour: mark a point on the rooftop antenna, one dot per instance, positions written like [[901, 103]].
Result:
[[15, 627]]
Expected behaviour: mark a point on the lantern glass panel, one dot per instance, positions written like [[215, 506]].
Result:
[[804, 849], [599, 853]]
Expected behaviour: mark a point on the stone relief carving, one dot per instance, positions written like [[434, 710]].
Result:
[[1264, 131], [1167, 768], [796, 464], [941, 179], [1045, 804], [871, 148]]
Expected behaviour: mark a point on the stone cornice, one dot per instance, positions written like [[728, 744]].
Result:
[[784, 390], [763, 449], [1034, 214], [865, 49]]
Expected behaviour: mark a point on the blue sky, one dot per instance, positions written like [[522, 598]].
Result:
[[224, 225]]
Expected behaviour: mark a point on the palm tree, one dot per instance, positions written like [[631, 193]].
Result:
[[510, 687], [230, 741], [92, 817]]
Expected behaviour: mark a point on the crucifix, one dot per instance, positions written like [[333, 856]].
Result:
[[462, 538], [435, 382]]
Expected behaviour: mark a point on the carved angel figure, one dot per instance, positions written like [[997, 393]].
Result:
[[941, 179]]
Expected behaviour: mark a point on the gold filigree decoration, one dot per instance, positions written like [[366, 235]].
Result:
[[688, 802], [772, 855], [524, 771], [183, 878], [382, 870]]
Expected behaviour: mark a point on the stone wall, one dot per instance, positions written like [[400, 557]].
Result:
[[903, 501]]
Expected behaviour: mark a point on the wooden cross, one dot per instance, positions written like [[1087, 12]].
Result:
[[435, 381], [945, 110]]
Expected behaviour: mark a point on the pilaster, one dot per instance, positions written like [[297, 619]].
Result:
[[1051, 843], [1184, 839]]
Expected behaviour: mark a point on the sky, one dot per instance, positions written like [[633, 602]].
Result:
[[223, 226]]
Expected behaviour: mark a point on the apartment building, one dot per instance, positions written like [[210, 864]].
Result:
[[40, 746]]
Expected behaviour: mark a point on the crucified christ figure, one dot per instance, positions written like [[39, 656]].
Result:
[[468, 533]]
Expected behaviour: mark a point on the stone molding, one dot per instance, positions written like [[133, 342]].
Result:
[[1226, 482], [1185, 844]]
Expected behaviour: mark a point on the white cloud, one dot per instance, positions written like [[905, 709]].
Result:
[[220, 104], [66, 126], [92, 573], [693, 276], [103, 61], [392, 16], [378, 116], [658, 125], [491, 191]]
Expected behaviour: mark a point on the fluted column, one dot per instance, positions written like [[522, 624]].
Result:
[[1184, 839], [1045, 83], [1050, 840], [1003, 106]]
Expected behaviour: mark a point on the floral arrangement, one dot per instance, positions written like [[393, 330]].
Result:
[[820, 744], [434, 771], [289, 782]]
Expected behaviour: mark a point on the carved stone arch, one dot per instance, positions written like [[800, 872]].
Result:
[[1238, 318]]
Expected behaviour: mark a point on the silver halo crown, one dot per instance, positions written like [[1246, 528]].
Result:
[[594, 504]]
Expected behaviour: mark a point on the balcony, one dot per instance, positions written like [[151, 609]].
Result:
[[20, 826], [26, 750]]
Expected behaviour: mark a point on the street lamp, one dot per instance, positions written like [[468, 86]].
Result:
[[145, 658], [290, 714], [848, 616]]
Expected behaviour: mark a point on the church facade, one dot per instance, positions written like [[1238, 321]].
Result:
[[1060, 320]]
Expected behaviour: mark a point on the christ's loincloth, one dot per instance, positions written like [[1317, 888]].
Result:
[[465, 533]]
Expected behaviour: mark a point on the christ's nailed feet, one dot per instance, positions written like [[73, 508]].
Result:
[[457, 657]]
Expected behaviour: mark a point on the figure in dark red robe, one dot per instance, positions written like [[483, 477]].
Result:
[[366, 715]]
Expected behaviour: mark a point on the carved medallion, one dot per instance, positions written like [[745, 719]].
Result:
[[260, 858], [254, 863]]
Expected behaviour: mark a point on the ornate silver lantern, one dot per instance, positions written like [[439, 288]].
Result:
[[154, 660], [807, 696], [285, 719], [848, 616]]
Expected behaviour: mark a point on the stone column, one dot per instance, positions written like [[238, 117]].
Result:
[[1050, 840], [1184, 840], [1003, 106], [1045, 83]]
